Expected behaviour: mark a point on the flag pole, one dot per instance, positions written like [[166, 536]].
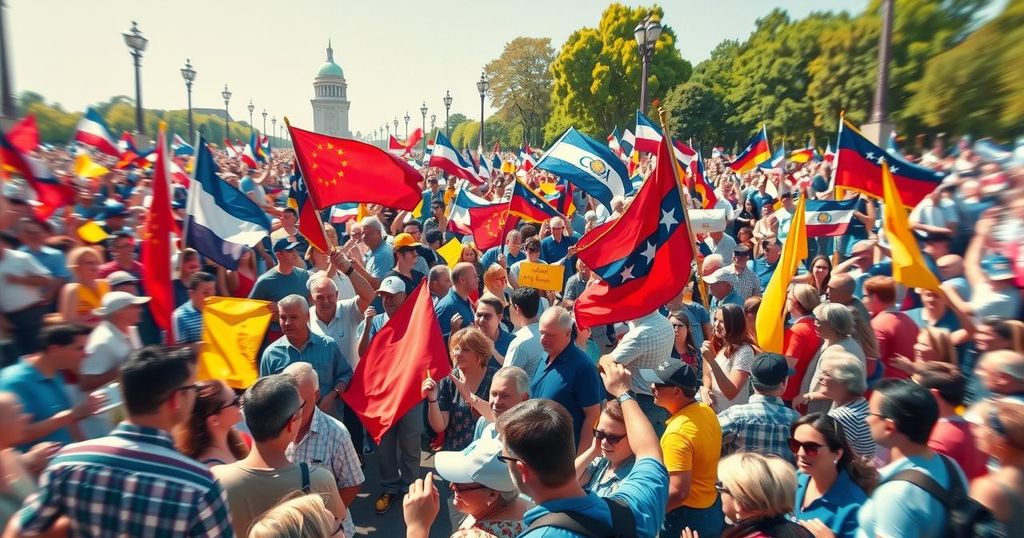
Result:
[[309, 194], [667, 134]]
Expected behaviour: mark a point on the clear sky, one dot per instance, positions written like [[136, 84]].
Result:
[[395, 54]]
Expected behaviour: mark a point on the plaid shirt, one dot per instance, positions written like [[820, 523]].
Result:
[[132, 483], [761, 425], [749, 285], [647, 344]]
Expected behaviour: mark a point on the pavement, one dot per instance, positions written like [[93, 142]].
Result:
[[392, 524]]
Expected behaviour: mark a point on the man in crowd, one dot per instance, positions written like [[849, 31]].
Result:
[[380, 258], [439, 280], [188, 265], [952, 435], [23, 302], [763, 423], [692, 445], [122, 250], [406, 258], [299, 343], [525, 350], [454, 309], [764, 266], [747, 283], [842, 289], [133, 482], [32, 233], [722, 288], [511, 252], [288, 277], [895, 331], [187, 319], [646, 344], [567, 375], [800, 341], [323, 441], [488, 318], [722, 244], [555, 247], [576, 284], [273, 416], [533, 255], [509, 387], [1002, 374]]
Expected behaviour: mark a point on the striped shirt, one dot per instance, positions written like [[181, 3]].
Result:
[[188, 324], [852, 417], [760, 425], [132, 483]]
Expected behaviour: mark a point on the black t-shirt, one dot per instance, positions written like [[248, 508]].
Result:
[[410, 283]]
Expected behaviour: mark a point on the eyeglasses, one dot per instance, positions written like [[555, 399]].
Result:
[[235, 402], [298, 412], [605, 436], [507, 459], [461, 488], [810, 449], [720, 487], [879, 415], [193, 387]]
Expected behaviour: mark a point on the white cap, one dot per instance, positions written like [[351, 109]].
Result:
[[477, 464], [392, 285], [116, 300], [725, 274]]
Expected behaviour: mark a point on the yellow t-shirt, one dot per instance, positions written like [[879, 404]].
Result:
[[693, 442]]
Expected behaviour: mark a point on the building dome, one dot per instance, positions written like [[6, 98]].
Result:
[[329, 68]]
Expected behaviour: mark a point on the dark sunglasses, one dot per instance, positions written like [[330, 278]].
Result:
[[810, 449], [507, 459], [604, 436], [235, 402], [464, 487]]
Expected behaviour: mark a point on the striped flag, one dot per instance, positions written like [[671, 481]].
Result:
[[92, 131], [828, 217]]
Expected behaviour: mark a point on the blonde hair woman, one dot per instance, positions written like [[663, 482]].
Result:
[[933, 345], [79, 298], [496, 282], [306, 516], [448, 399]]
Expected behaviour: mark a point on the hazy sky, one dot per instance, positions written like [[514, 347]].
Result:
[[395, 54]]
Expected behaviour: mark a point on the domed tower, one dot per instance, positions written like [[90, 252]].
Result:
[[330, 101]]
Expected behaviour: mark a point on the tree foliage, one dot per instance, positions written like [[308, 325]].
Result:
[[597, 73], [520, 86]]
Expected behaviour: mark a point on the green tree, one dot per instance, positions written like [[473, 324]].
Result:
[[27, 99], [697, 112], [466, 134], [520, 84], [55, 125], [455, 120], [597, 73]]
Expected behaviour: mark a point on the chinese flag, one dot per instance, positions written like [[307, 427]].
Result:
[[156, 242], [386, 384], [339, 170]]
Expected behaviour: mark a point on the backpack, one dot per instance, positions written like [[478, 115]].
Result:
[[965, 517], [623, 522]]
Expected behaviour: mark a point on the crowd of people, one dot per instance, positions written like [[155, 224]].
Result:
[[887, 409]]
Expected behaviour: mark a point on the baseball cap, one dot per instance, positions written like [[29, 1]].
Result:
[[769, 369], [404, 240], [672, 372], [285, 244], [725, 274], [392, 284], [115, 209], [121, 277], [997, 267], [477, 464], [116, 300]]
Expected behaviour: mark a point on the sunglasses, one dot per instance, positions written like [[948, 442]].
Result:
[[507, 459], [810, 449], [235, 402], [605, 436], [461, 488]]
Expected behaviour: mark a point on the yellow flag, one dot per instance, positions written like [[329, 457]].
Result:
[[772, 314], [233, 330], [451, 251], [90, 232], [362, 212], [418, 212], [86, 168], [908, 267]]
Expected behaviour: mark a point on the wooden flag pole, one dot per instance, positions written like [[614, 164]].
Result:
[[666, 134]]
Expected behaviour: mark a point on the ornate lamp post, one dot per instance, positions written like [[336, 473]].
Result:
[[407, 118], [481, 86], [396, 127], [264, 120], [388, 129], [646, 34], [226, 94], [189, 74], [137, 45], [251, 107], [423, 111], [447, 106], [273, 124]]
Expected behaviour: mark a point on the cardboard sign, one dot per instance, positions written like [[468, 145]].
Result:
[[541, 276], [707, 220]]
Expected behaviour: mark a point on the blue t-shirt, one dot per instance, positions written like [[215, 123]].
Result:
[[40, 396], [837, 508], [644, 490], [51, 259], [448, 306], [491, 256], [571, 380], [900, 509]]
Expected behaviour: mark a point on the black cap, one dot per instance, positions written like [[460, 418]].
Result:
[[672, 372], [770, 369], [285, 244]]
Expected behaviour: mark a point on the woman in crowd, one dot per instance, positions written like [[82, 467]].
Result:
[[768, 225], [868, 342], [610, 457], [745, 236], [750, 308], [746, 218], [238, 282], [85, 293], [727, 359], [933, 345], [448, 408], [832, 482], [482, 488], [305, 516], [843, 383], [834, 323], [496, 283], [819, 275], [683, 347], [208, 435], [757, 494], [1002, 436]]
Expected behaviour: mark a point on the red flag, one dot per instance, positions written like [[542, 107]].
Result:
[[489, 224], [24, 135], [337, 170], [310, 225], [156, 242], [51, 193], [410, 347], [643, 258], [529, 205]]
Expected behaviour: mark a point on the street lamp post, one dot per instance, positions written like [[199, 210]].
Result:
[[388, 129], [423, 110], [407, 118], [189, 74], [226, 94], [396, 127], [646, 34], [481, 86], [7, 107], [264, 120], [137, 45], [251, 107], [447, 106], [878, 127], [273, 124]]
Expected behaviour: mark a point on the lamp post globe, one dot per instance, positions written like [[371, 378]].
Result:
[[137, 45], [226, 94], [646, 35], [481, 87], [189, 74], [447, 106], [264, 120]]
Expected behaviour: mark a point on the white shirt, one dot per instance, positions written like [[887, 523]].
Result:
[[525, 350], [741, 360], [342, 328], [106, 349], [17, 297], [344, 284]]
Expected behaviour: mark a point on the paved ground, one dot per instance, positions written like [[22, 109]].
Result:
[[391, 524]]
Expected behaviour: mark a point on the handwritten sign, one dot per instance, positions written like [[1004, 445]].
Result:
[[541, 276]]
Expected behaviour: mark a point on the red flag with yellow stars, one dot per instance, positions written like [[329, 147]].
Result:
[[338, 170]]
